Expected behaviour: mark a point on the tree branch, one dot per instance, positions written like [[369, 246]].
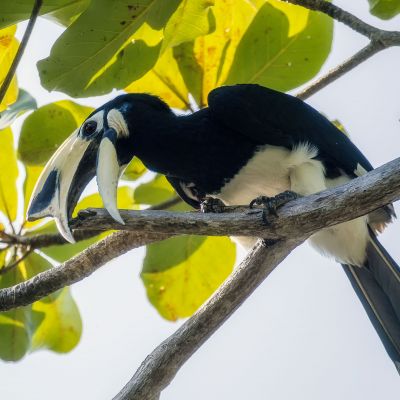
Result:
[[297, 220], [41, 240], [161, 366], [302, 216], [379, 40], [338, 71], [75, 269], [21, 49], [388, 38]]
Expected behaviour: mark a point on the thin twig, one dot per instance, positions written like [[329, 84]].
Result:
[[9, 267], [338, 14], [21, 49], [335, 73], [379, 40], [41, 240]]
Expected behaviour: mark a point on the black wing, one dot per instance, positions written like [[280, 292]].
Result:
[[270, 117]]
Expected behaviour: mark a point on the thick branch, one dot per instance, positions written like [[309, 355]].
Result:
[[297, 220], [75, 269], [161, 366], [348, 201], [302, 216]]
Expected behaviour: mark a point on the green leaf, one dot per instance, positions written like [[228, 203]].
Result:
[[126, 66], [192, 18], [96, 52], [46, 129], [56, 322], [60, 10], [25, 102], [55, 319], [15, 328], [157, 191], [53, 322], [271, 54], [384, 9], [69, 13], [154, 192], [181, 273], [165, 81], [178, 249], [134, 170], [124, 200], [8, 175]]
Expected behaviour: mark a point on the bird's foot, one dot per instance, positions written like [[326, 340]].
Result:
[[83, 214], [271, 204], [212, 205]]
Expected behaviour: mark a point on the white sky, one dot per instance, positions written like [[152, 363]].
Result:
[[303, 333]]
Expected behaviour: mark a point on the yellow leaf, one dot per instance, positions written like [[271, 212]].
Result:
[[124, 200], [32, 175], [181, 273], [214, 53], [165, 81], [8, 175], [297, 16], [8, 49], [200, 66]]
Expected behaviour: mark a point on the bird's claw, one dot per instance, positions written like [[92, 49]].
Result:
[[212, 205], [271, 204], [83, 214]]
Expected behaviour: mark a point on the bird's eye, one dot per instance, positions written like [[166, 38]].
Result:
[[89, 128]]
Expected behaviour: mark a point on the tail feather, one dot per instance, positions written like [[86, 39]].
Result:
[[377, 285]]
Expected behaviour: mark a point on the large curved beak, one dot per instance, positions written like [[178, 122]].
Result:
[[67, 174]]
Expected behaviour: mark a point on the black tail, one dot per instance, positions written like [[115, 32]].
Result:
[[377, 285]]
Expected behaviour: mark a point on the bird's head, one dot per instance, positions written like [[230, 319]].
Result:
[[103, 146]]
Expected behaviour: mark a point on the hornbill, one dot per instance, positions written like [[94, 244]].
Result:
[[249, 143]]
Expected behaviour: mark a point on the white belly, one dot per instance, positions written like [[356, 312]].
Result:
[[274, 170]]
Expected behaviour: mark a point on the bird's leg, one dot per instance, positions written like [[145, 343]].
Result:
[[271, 204], [210, 204]]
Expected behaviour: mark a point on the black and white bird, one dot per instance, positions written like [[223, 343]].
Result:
[[250, 141]]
